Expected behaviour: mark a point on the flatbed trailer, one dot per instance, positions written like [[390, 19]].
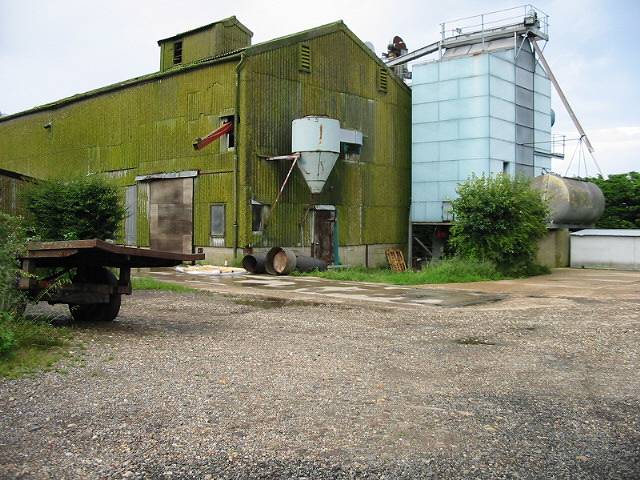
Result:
[[94, 292]]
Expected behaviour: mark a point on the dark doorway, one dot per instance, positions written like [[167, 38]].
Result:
[[170, 214], [323, 230]]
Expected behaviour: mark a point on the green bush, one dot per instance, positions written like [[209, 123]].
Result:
[[12, 245], [84, 207], [499, 219]]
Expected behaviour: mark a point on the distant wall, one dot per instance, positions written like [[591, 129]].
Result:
[[606, 251]]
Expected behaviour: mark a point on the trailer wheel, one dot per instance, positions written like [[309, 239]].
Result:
[[97, 312]]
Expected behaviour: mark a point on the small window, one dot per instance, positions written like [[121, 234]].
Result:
[[304, 58], [217, 220], [259, 213], [229, 140], [383, 79], [350, 149], [177, 52]]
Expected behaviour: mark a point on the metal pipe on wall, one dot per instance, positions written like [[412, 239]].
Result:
[[236, 125]]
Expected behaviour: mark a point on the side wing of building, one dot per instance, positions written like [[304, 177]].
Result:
[[131, 133]]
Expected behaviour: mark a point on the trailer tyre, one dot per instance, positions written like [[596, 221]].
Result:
[[97, 312]]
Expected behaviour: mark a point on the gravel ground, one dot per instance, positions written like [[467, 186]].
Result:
[[210, 386]]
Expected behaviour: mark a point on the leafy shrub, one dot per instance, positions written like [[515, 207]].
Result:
[[12, 245], [84, 207], [499, 219]]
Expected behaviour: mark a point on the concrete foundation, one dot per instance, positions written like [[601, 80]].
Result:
[[554, 248]]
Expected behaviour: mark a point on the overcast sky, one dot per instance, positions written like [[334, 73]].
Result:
[[53, 49]]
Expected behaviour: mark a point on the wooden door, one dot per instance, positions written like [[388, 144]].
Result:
[[323, 228], [171, 214]]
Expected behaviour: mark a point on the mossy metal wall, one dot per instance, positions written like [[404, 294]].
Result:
[[10, 189], [142, 129], [370, 190], [148, 127], [216, 40]]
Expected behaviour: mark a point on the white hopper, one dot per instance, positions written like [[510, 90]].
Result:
[[317, 140]]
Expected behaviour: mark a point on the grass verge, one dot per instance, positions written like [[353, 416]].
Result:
[[447, 271], [149, 283], [34, 345]]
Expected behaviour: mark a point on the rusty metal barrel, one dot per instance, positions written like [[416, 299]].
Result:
[[309, 264], [281, 261], [254, 262]]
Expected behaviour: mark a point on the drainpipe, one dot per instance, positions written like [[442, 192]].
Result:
[[236, 162]]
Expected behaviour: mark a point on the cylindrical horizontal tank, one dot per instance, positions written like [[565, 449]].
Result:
[[317, 139], [572, 202]]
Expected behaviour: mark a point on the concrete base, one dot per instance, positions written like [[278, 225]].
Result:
[[352, 255], [553, 249]]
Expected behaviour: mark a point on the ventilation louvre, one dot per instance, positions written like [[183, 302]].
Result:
[[383, 80], [304, 58]]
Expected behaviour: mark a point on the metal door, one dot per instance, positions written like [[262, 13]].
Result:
[[323, 228], [171, 214]]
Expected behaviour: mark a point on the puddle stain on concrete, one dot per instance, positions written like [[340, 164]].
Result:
[[356, 291]]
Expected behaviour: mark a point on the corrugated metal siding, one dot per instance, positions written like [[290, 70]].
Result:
[[372, 194], [146, 128], [217, 40], [210, 189], [10, 189]]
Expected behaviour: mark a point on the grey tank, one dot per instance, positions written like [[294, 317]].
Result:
[[573, 203]]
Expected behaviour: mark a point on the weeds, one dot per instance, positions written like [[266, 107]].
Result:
[[36, 345], [453, 270], [148, 283]]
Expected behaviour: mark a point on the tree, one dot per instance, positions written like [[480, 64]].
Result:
[[85, 207], [622, 200], [499, 219]]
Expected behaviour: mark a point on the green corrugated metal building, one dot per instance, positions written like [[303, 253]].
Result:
[[140, 134]]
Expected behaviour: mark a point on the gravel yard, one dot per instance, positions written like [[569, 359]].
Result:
[[205, 385]]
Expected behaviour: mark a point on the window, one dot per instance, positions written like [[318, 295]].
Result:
[[383, 79], [348, 150], [217, 220], [259, 214], [177, 52], [304, 58], [229, 140]]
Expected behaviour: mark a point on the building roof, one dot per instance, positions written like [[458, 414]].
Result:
[[607, 232], [11, 174], [236, 54], [226, 21]]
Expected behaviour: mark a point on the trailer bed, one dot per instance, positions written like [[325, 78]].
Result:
[[96, 252], [93, 292]]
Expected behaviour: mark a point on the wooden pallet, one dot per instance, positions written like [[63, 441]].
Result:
[[395, 258]]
